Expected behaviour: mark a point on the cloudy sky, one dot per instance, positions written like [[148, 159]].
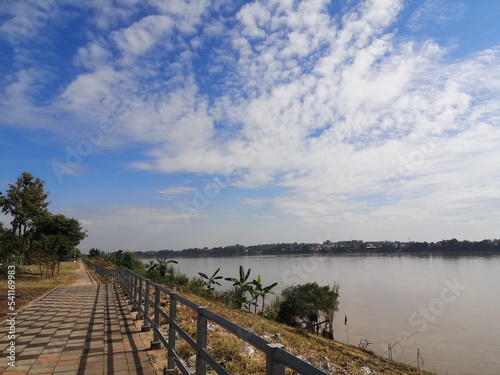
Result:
[[175, 124]]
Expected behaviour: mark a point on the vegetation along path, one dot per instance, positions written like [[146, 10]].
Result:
[[84, 328]]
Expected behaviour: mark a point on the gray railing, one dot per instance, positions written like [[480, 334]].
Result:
[[105, 272], [100, 270], [139, 289]]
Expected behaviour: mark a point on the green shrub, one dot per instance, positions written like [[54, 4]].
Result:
[[175, 278], [225, 296], [305, 304], [195, 286], [272, 309]]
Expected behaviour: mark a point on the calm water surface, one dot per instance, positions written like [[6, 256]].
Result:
[[448, 307]]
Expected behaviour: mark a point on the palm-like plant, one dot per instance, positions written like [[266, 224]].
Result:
[[261, 291], [209, 282], [161, 265], [241, 287]]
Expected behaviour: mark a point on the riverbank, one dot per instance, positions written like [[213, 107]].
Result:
[[238, 357]]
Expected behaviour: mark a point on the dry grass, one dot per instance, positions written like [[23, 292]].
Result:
[[30, 279], [30, 286]]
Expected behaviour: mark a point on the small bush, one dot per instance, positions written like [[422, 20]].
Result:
[[272, 309], [226, 296], [175, 279], [195, 286]]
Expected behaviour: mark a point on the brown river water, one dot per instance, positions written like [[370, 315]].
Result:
[[446, 307]]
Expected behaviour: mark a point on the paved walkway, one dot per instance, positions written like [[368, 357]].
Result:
[[78, 329]]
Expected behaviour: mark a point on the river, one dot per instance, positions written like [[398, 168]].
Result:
[[446, 307]]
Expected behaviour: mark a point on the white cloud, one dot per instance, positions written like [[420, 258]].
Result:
[[187, 14], [172, 193], [391, 98], [142, 35], [352, 121], [265, 217], [108, 14], [253, 17], [438, 12], [89, 91], [92, 56], [176, 190]]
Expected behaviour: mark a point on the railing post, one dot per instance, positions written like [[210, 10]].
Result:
[[155, 344], [145, 325], [171, 332], [201, 341], [126, 284], [129, 279], [140, 308], [274, 367], [130, 290], [135, 293]]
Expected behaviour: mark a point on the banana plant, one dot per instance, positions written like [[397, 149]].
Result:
[[161, 265], [241, 287], [261, 291], [210, 281]]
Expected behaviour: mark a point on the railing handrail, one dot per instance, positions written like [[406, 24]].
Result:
[[100, 270], [138, 289]]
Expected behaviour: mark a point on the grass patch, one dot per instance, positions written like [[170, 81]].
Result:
[[30, 278], [29, 285]]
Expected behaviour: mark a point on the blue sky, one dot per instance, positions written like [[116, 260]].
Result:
[[175, 124]]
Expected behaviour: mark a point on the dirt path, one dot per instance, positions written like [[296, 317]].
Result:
[[82, 275]]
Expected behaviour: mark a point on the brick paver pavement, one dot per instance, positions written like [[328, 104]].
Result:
[[79, 329]]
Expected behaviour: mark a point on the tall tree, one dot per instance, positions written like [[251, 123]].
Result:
[[26, 201]]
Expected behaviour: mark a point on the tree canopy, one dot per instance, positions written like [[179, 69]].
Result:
[[36, 234], [61, 234], [305, 304], [26, 201]]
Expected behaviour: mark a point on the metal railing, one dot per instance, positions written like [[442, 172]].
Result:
[[104, 272], [139, 290]]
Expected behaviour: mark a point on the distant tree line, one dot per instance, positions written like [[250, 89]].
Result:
[[452, 246]]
